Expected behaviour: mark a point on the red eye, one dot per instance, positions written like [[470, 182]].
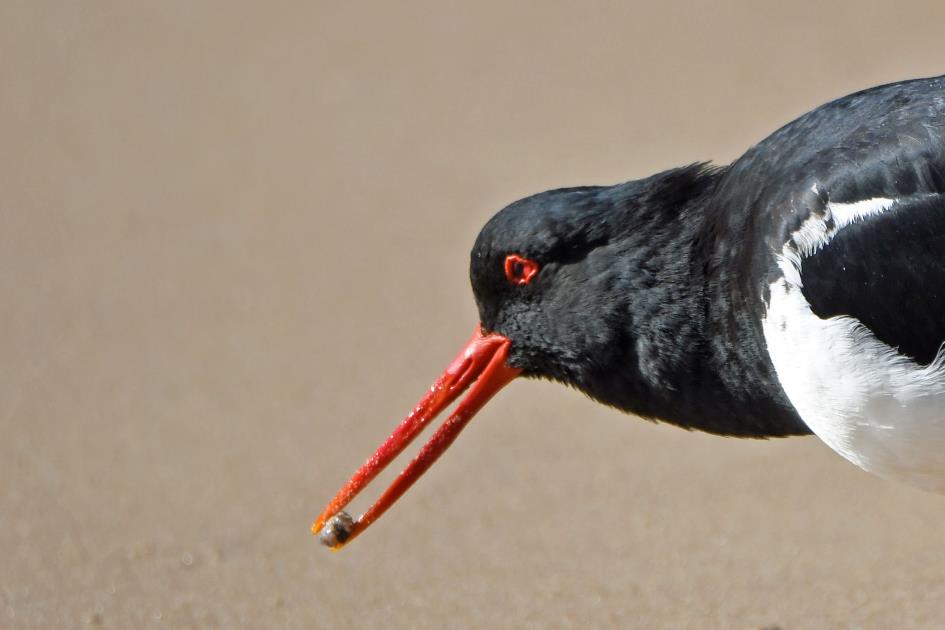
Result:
[[520, 270]]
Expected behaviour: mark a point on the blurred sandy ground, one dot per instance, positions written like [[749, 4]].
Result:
[[233, 250]]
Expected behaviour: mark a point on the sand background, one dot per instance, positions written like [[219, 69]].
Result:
[[233, 253]]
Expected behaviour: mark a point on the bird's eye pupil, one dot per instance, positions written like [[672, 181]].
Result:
[[520, 270]]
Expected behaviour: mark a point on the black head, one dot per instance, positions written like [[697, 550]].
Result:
[[605, 265], [606, 304], [562, 234]]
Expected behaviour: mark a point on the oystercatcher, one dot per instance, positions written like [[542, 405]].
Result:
[[799, 289]]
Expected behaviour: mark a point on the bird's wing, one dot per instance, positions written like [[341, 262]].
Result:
[[854, 325], [862, 184], [886, 270]]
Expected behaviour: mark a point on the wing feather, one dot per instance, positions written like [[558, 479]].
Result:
[[888, 272]]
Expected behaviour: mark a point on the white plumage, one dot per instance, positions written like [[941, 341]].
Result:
[[875, 407]]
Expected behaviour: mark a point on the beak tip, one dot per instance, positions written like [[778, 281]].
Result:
[[482, 368], [336, 530]]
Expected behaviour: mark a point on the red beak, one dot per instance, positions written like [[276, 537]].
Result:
[[481, 364]]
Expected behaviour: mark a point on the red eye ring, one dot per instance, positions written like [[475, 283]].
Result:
[[519, 270]]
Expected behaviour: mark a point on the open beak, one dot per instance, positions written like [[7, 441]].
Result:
[[480, 367]]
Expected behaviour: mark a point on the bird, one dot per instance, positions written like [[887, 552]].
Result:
[[799, 289]]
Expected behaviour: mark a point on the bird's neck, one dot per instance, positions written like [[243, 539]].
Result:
[[681, 368]]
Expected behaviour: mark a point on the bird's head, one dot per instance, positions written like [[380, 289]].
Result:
[[547, 273]]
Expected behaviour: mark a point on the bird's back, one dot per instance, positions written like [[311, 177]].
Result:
[[840, 226]]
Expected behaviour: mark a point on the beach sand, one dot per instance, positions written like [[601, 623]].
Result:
[[233, 253]]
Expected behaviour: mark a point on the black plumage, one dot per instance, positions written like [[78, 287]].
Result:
[[651, 292], [884, 272]]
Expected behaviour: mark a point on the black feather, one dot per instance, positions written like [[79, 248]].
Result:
[[651, 293]]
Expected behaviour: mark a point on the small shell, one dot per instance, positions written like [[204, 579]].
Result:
[[337, 530]]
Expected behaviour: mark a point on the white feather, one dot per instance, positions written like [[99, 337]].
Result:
[[874, 406]]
